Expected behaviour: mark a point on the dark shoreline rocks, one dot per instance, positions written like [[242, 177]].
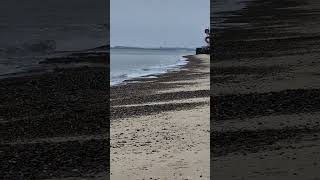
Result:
[[55, 160], [66, 103]]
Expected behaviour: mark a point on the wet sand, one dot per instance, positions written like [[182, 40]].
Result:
[[54, 124], [160, 126], [265, 92]]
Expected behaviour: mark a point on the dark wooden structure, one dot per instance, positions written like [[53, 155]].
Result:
[[205, 49]]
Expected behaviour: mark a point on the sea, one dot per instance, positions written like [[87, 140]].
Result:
[[32, 30], [129, 63]]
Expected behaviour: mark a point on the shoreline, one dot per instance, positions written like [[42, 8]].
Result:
[[162, 83], [151, 123], [49, 113], [60, 60], [168, 68]]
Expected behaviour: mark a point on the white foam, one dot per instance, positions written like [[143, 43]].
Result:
[[150, 72]]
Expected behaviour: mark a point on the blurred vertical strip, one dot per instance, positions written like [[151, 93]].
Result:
[[54, 115]]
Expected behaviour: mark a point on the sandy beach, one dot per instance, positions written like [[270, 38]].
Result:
[[160, 126], [265, 92], [54, 122]]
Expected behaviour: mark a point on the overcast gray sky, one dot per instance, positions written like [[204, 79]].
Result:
[[154, 23]]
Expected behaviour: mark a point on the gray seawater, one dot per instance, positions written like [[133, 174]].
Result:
[[31, 30], [132, 63]]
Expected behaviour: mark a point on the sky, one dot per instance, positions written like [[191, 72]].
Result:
[[154, 23]]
